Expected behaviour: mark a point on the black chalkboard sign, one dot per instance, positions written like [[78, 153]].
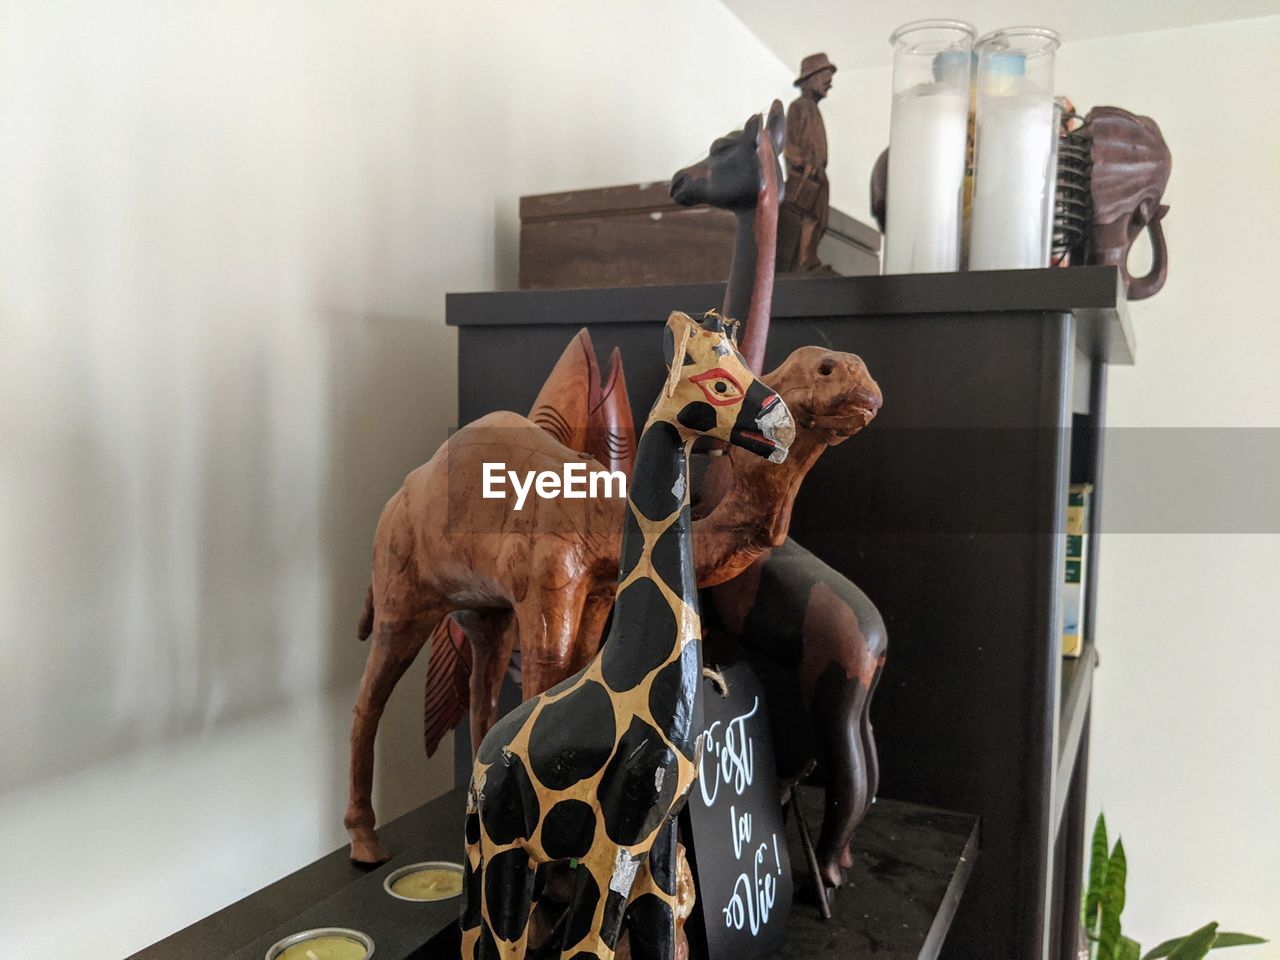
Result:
[[738, 845]]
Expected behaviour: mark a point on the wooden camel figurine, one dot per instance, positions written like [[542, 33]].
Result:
[[481, 587], [582, 411], [423, 570], [595, 769]]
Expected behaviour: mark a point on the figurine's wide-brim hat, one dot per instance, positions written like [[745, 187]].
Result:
[[814, 63]]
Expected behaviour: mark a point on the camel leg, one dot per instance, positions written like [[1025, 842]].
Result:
[[871, 760], [491, 634], [393, 649], [839, 704], [549, 629], [869, 739]]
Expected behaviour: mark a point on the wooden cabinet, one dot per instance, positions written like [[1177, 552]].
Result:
[[948, 511]]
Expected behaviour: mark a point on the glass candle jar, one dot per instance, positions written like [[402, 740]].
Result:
[[928, 136], [1016, 150]]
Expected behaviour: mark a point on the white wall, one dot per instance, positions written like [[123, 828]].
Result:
[[227, 231], [1186, 727]]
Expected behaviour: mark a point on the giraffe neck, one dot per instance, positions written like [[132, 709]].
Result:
[[655, 616], [748, 296]]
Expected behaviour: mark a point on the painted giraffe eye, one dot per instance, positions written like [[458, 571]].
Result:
[[719, 385]]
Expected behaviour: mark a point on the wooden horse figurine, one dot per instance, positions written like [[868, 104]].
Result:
[[595, 769], [820, 644], [814, 625], [741, 173]]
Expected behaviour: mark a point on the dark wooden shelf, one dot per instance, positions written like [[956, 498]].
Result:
[[1094, 295], [1074, 699], [910, 866], [334, 892], [947, 512]]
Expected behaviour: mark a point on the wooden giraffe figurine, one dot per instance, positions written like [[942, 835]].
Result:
[[594, 770]]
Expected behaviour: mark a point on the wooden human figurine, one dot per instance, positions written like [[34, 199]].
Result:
[[594, 770], [804, 208]]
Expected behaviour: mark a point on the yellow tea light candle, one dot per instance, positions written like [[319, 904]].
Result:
[[436, 880], [332, 944]]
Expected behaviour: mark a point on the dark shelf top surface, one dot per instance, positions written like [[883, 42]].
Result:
[[1093, 294], [911, 864], [333, 891], [910, 867]]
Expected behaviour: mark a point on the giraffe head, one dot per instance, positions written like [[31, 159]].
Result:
[[710, 392]]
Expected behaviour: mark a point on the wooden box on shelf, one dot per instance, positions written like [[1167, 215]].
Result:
[[636, 235]]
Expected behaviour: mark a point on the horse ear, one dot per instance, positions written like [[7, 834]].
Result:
[[777, 126], [752, 128], [676, 330], [675, 338]]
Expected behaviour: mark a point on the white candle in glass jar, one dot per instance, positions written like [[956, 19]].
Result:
[[1013, 193], [927, 143]]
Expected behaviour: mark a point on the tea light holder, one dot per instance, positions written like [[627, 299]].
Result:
[[437, 866], [330, 943]]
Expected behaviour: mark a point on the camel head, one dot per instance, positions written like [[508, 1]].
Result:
[[732, 175], [831, 394]]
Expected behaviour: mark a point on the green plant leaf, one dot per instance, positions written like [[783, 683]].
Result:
[[1097, 876], [1117, 873], [1129, 949], [1109, 935], [1219, 941], [1111, 904], [1195, 945], [1163, 950], [1236, 940]]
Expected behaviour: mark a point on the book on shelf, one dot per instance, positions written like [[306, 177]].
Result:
[[1074, 627]]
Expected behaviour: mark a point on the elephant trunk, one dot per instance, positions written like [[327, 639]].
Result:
[[1139, 288]]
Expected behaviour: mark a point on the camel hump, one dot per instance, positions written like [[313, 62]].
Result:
[[564, 402], [584, 412]]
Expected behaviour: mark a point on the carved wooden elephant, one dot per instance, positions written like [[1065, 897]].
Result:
[[1130, 169], [1131, 164]]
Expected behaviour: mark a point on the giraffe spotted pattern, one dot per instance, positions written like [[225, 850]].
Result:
[[595, 769]]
